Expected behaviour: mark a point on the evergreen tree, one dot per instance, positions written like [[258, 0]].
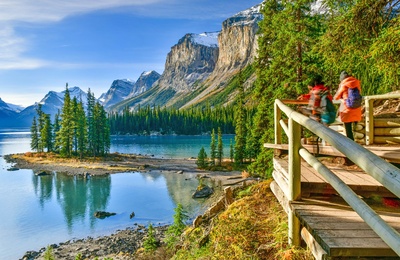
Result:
[[356, 39], [40, 126], [81, 131], [176, 229], [252, 144], [47, 133], [240, 126], [65, 134], [101, 131], [150, 243], [285, 62], [202, 159], [90, 123], [220, 150], [56, 129], [213, 147], [34, 135], [231, 151], [74, 111]]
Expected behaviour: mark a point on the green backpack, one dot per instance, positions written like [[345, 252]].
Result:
[[328, 115]]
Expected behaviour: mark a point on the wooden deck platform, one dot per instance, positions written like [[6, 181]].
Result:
[[313, 183], [389, 153], [330, 227]]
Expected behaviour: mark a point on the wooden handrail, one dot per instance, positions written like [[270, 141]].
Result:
[[369, 114], [373, 165]]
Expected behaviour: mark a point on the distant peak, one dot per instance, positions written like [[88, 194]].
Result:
[[148, 73], [247, 17]]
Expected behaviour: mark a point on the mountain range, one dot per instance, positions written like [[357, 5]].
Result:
[[199, 68]]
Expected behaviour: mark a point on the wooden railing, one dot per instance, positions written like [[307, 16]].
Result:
[[369, 115], [384, 172]]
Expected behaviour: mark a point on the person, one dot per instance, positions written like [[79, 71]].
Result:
[[349, 116], [317, 90]]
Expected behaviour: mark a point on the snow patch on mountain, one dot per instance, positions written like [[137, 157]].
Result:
[[246, 17], [209, 39]]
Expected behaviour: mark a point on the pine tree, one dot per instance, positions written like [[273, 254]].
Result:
[[65, 134], [240, 126], [40, 126], [285, 62], [150, 243], [90, 123], [81, 131], [176, 229], [220, 150], [56, 129], [47, 133], [231, 151], [34, 135], [213, 147], [202, 159]]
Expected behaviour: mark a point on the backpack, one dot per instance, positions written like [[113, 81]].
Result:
[[354, 98], [328, 115], [322, 107]]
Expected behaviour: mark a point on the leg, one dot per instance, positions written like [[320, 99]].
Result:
[[349, 130], [349, 134]]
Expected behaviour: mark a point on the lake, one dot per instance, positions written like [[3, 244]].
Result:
[[37, 211]]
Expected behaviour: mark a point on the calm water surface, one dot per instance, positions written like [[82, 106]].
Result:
[[38, 211]]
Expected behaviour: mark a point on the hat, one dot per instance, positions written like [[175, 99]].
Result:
[[343, 75]]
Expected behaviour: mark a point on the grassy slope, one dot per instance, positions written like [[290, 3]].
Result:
[[253, 227]]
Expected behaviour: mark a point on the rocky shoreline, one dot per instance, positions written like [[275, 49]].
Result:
[[121, 245]]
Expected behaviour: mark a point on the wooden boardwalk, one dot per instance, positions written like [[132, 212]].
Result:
[[330, 227]]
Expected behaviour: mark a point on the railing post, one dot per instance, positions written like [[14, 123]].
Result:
[[369, 121], [277, 125], [294, 179]]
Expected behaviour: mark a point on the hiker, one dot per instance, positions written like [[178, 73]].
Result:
[[319, 102], [350, 108]]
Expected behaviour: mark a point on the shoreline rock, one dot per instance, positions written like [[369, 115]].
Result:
[[126, 241]]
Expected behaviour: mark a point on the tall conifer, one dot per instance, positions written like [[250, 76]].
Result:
[[240, 124], [220, 150], [66, 131], [34, 135], [213, 148]]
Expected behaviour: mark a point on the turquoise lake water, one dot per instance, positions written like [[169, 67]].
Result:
[[40, 210]]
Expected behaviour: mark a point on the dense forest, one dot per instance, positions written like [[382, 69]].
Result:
[[74, 131], [193, 121], [302, 38]]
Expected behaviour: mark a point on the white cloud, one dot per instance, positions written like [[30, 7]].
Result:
[[10, 44], [22, 12], [56, 10]]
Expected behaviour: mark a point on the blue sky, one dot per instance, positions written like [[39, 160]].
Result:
[[44, 44]]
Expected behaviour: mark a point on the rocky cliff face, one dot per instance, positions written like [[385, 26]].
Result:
[[192, 59], [237, 49], [144, 83], [201, 65], [238, 41]]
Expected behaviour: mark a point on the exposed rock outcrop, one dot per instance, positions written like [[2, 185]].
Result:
[[191, 60]]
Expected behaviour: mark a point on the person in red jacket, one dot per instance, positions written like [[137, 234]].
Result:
[[314, 97], [349, 116]]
